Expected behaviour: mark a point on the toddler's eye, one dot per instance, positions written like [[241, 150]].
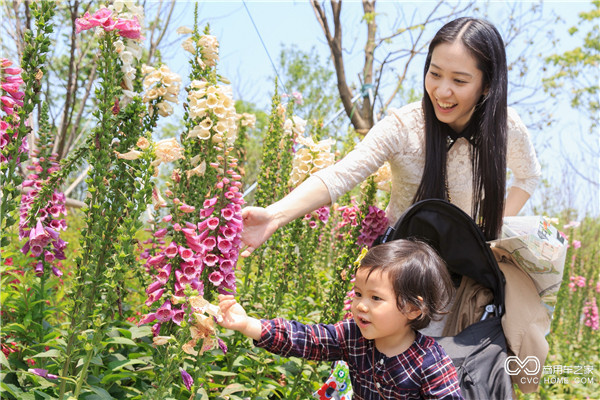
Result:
[[377, 298]]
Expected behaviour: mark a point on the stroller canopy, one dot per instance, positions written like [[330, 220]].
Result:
[[457, 239]]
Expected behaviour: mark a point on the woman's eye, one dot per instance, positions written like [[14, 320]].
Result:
[[434, 74], [460, 82]]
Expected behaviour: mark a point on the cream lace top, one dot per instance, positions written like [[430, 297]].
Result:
[[400, 139]]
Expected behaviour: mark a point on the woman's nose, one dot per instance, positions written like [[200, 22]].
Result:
[[443, 91]]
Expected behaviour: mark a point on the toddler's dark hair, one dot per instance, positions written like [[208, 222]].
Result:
[[417, 272]]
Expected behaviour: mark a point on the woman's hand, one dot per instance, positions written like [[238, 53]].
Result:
[[259, 225]]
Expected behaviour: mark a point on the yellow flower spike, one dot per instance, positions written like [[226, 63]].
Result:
[[198, 303], [199, 170]]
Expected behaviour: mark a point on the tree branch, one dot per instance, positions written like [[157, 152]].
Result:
[[335, 46], [154, 45]]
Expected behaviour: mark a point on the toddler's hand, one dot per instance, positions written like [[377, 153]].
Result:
[[234, 315]]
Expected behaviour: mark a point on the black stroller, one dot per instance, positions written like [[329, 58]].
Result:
[[479, 351]]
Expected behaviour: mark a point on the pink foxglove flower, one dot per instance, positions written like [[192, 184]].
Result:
[[590, 312], [164, 313], [373, 225]]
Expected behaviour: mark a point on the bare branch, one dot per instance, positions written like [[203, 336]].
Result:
[[155, 44], [72, 77]]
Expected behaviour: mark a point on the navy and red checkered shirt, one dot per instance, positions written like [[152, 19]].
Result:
[[423, 371]]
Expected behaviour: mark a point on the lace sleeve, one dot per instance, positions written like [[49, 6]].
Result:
[[378, 146], [521, 158]]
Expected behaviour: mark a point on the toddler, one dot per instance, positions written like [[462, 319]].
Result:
[[399, 288]]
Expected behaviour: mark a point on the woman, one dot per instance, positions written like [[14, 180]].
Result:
[[455, 144]]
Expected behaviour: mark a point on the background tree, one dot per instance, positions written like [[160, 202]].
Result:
[[575, 73], [73, 64], [393, 47]]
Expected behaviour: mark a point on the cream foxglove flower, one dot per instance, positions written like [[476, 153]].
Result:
[[184, 30], [160, 340], [143, 143], [168, 150], [188, 45], [164, 109], [130, 155]]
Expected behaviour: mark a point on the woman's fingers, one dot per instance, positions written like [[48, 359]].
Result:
[[247, 251]]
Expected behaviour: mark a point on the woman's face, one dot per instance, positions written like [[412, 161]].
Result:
[[454, 84]]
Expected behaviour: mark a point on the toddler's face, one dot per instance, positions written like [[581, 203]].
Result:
[[375, 310]]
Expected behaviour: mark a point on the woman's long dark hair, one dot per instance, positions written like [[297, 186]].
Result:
[[487, 125]]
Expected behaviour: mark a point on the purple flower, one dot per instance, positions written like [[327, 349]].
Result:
[[210, 260], [154, 296], [164, 313], [186, 254], [147, 318], [164, 273], [224, 245], [43, 373], [212, 223], [160, 233], [187, 378], [178, 315], [222, 345]]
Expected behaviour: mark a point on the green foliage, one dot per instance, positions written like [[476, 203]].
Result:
[[304, 72], [33, 64], [578, 68], [572, 342]]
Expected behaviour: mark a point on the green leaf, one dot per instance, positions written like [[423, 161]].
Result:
[[4, 361], [111, 378], [201, 394], [233, 388], [12, 389], [221, 373], [102, 394], [140, 331], [43, 395], [119, 340], [119, 365], [49, 353]]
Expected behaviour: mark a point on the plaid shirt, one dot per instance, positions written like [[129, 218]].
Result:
[[423, 371]]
